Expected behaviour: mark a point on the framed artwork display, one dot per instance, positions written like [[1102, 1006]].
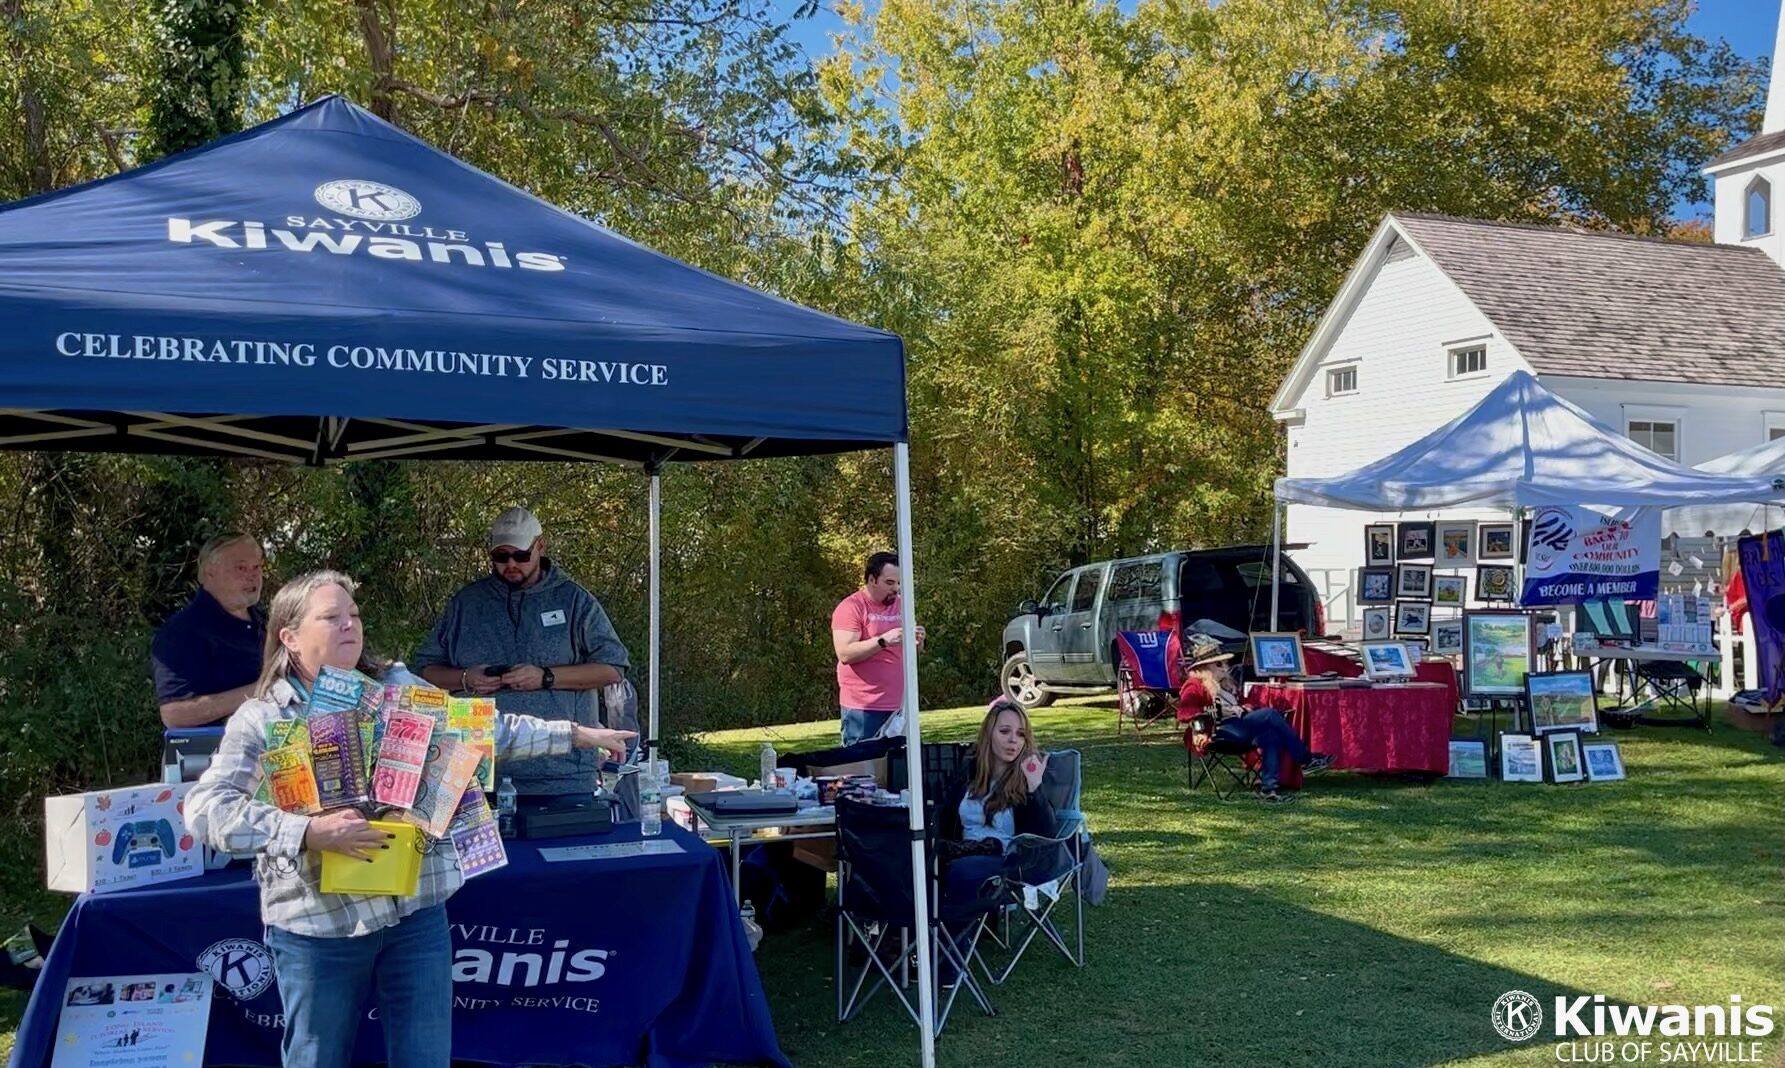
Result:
[[1375, 585], [1413, 541], [1379, 543], [1416, 649], [1605, 761], [1378, 623], [1468, 759], [1565, 763], [1562, 701], [1447, 636], [1497, 653], [1494, 582], [1387, 660], [1413, 581], [1413, 617], [1450, 591], [1521, 758], [1276, 655], [1493, 541], [1456, 544]]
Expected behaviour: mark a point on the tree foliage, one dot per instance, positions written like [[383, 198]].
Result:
[[1103, 231]]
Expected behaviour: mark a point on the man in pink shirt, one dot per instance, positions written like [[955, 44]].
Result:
[[865, 630]]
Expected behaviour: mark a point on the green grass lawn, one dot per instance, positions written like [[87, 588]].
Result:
[[1372, 923]]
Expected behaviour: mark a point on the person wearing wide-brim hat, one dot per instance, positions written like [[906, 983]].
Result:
[[1208, 688]]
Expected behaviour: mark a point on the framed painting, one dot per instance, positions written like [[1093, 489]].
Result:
[[1413, 617], [1562, 701], [1494, 582], [1468, 759], [1456, 544], [1413, 581], [1497, 653], [1379, 544], [1605, 761], [1450, 591], [1521, 758], [1278, 655], [1447, 636], [1493, 541], [1387, 660], [1378, 623], [1565, 763], [1413, 541], [1375, 585]]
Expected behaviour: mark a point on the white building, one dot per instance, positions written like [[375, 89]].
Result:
[[1679, 344]]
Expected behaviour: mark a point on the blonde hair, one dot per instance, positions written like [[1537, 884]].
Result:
[[1009, 789], [287, 610]]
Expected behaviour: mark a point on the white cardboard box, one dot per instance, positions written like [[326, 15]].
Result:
[[111, 839]]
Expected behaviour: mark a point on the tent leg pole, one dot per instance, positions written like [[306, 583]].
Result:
[[1276, 559], [655, 676], [920, 869]]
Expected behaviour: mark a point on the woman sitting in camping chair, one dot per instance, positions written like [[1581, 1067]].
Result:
[[1208, 703], [996, 799]]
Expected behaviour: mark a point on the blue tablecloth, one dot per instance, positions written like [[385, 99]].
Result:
[[627, 960]]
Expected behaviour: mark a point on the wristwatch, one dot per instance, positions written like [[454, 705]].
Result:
[[547, 680], [881, 642]]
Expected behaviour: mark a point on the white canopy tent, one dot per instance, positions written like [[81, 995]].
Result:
[[1521, 446], [1766, 460]]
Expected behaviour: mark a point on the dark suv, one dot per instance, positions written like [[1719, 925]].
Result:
[[1066, 642]]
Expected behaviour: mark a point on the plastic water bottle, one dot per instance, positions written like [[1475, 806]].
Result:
[[768, 765], [505, 806], [650, 800], [752, 929]]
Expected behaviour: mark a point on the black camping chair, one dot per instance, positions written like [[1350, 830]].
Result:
[[1050, 869], [1216, 761], [875, 907]]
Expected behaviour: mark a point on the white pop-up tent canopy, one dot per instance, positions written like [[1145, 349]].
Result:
[[1520, 447], [1766, 460]]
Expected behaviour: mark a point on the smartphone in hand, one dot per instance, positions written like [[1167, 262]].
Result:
[[492, 670]]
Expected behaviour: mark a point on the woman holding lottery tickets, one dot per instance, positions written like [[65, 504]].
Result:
[[332, 951]]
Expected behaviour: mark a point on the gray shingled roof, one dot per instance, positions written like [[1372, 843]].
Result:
[[1601, 305], [1753, 146]]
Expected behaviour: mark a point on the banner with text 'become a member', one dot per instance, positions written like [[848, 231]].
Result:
[[1575, 554]]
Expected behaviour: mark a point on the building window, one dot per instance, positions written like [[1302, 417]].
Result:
[[1657, 435], [1340, 381], [1468, 361], [1757, 209], [1774, 433]]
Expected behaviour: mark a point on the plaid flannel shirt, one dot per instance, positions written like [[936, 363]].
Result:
[[221, 810]]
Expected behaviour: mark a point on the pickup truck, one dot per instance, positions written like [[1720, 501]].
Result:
[[1065, 643]]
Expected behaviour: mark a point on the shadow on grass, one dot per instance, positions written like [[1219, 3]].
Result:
[[1207, 974]]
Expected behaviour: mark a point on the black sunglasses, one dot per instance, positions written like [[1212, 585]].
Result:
[[519, 556]]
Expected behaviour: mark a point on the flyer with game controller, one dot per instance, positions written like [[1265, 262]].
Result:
[[112, 839]]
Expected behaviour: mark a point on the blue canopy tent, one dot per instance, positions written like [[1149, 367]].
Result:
[[327, 287]]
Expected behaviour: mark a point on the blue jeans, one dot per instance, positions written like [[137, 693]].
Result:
[[860, 724], [1271, 733], [325, 983]]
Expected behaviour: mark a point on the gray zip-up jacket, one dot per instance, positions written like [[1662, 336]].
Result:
[[551, 623]]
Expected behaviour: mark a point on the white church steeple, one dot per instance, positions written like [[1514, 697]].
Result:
[[1749, 180]]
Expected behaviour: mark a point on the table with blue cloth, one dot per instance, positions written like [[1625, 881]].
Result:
[[616, 960]]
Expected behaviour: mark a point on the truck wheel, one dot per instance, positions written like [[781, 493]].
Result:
[[1020, 685]]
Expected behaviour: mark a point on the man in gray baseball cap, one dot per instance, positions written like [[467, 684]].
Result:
[[528, 635]]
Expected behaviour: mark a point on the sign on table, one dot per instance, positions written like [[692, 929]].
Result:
[[144, 1021]]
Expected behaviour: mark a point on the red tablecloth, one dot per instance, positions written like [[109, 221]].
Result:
[[1440, 671], [1375, 728]]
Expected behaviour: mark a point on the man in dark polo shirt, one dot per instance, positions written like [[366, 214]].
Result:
[[207, 655]]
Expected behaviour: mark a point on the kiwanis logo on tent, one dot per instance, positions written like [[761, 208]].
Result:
[[364, 199]]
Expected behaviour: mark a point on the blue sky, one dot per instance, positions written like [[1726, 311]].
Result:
[[1748, 25]]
